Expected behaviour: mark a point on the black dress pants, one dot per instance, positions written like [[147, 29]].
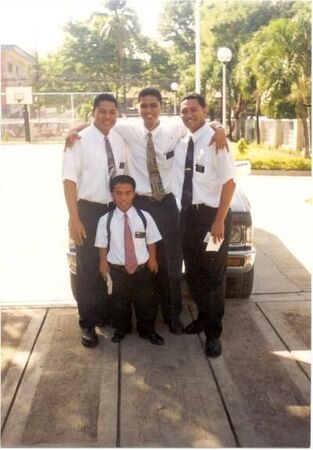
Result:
[[205, 271], [169, 253], [136, 288], [91, 289]]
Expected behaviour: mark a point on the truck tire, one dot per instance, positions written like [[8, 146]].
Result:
[[240, 287], [73, 285]]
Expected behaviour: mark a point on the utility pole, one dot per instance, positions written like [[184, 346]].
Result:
[[198, 42]]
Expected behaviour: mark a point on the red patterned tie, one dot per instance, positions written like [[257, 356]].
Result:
[[130, 255]]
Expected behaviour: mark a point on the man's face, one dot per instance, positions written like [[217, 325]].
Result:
[[193, 114], [123, 195], [105, 115], [150, 109]]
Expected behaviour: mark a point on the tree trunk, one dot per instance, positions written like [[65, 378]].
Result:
[[304, 119], [237, 115], [257, 115]]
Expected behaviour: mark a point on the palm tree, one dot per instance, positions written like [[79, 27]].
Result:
[[120, 26]]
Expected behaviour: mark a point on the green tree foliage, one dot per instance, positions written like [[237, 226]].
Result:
[[231, 24], [276, 61]]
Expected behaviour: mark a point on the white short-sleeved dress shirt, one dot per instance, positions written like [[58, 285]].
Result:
[[211, 169], [86, 164], [165, 138], [141, 236]]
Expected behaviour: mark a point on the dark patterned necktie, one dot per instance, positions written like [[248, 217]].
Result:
[[109, 152], [186, 200], [129, 248], [156, 184]]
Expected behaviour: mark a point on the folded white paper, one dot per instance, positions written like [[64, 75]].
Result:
[[211, 245], [109, 283]]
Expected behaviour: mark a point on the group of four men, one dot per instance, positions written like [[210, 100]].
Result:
[[182, 181]]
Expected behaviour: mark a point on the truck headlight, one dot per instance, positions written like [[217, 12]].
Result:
[[237, 235]]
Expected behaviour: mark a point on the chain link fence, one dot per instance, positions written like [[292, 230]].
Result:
[[51, 115]]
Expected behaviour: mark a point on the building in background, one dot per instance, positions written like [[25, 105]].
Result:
[[15, 70]]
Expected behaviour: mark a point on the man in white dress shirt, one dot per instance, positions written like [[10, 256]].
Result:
[[204, 183], [87, 169], [127, 238]]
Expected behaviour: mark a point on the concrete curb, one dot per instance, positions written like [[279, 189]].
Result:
[[289, 173]]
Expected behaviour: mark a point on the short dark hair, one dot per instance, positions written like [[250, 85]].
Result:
[[104, 98], [195, 96], [122, 179], [150, 91]]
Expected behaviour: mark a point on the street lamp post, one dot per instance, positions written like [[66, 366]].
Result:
[[224, 55], [174, 87]]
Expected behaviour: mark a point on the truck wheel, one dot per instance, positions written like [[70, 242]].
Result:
[[240, 287], [73, 285]]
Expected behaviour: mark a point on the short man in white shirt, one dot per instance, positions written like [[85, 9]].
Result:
[[204, 183], [87, 169], [127, 238]]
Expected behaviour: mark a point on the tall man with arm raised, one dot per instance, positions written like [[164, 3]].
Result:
[[88, 166], [204, 182]]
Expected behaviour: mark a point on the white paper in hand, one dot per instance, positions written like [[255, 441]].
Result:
[[109, 282], [211, 246]]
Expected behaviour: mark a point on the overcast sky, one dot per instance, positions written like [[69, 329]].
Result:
[[38, 23]]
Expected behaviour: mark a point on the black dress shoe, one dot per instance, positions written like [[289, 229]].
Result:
[[176, 327], [153, 337], [89, 337], [118, 336], [213, 347], [194, 327]]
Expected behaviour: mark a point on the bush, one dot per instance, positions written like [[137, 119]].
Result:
[[261, 157], [281, 163], [242, 146]]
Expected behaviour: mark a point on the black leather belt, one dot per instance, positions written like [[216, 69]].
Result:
[[199, 205], [88, 202], [148, 197], [122, 268]]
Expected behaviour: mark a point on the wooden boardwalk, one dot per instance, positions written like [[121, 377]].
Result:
[[56, 393]]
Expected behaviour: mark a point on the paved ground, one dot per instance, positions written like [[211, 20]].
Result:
[[55, 393]]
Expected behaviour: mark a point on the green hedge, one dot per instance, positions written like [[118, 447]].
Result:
[[281, 163], [262, 157]]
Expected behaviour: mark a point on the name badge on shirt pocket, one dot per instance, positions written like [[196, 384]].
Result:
[[122, 165], [200, 168], [170, 154], [140, 234]]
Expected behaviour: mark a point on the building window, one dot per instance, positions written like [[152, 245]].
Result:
[[10, 67], [17, 70]]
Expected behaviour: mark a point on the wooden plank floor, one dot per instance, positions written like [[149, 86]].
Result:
[[135, 394]]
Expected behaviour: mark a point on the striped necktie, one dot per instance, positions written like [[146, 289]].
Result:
[[129, 248], [186, 200], [109, 152], [156, 184]]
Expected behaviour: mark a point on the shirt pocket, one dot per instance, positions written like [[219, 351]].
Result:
[[120, 167], [168, 158], [204, 170]]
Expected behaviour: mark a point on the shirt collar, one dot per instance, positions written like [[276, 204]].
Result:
[[154, 132], [197, 134], [129, 212], [99, 135]]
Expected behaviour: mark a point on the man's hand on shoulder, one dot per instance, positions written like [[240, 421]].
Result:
[[73, 136], [219, 136]]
